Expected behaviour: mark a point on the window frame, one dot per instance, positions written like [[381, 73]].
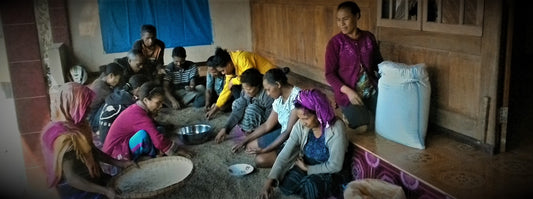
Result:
[[463, 29], [422, 24], [399, 23]]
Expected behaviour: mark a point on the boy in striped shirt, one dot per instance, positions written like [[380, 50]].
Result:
[[180, 82]]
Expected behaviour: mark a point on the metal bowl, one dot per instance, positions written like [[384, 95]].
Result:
[[195, 134]]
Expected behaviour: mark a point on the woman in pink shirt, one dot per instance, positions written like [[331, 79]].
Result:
[[351, 67], [134, 133]]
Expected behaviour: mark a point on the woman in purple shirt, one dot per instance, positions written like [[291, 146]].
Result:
[[351, 67]]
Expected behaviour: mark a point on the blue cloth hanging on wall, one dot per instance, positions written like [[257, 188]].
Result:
[[178, 22]]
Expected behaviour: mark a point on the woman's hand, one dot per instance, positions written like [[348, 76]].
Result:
[[354, 98], [110, 193], [236, 148], [161, 71], [210, 107], [211, 113], [300, 164], [267, 189], [175, 104], [94, 168], [126, 163], [221, 136], [254, 150], [184, 152], [192, 86]]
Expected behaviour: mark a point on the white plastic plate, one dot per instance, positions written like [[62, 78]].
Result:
[[240, 169]]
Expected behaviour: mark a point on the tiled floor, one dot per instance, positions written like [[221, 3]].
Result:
[[459, 169], [462, 170]]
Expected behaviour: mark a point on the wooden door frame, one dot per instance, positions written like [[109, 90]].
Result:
[[503, 110]]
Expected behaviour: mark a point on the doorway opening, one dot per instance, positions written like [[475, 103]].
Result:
[[520, 124]]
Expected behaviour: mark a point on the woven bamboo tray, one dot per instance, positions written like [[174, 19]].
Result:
[[153, 177]]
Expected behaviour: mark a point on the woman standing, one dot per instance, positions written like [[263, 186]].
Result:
[[351, 67], [310, 162]]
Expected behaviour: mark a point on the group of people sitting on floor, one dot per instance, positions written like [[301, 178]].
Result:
[[294, 131]]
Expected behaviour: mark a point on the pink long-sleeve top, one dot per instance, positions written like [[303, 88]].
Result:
[[344, 58], [131, 120]]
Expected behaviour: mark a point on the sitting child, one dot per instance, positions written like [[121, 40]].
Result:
[[134, 134], [268, 139], [180, 81], [214, 85], [252, 108], [232, 65], [103, 86], [117, 102], [153, 50]]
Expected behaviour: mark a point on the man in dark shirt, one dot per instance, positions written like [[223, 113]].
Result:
[[132, 64]]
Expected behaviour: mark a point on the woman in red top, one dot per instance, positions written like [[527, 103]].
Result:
[[351, 67], [134, 133]]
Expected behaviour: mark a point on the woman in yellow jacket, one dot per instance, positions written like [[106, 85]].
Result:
[[232, 65]]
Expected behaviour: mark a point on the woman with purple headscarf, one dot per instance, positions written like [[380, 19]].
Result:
[[311, 161]]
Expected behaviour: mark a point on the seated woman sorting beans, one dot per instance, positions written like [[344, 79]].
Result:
[[251, 109], [268, 139], [309, 164], [72, 161], [134, 134]]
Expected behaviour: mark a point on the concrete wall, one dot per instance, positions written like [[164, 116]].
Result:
[[10, 142], [230, 21], [4, 68]]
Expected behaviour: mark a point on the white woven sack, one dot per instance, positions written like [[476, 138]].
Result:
[[402, 108]]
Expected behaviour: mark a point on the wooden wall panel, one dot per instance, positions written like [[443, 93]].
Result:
[[454, 65], [295, 33], [464, 84], [447, 70], [463, 69], [431, 40]]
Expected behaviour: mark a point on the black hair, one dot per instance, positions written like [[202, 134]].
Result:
[[209, 61], [277, 75], [149, 29], [220, 59], [252, 77], [352, 6], [111, 68], [179, 52], [132, 53], [135, 81], [149, 90]]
